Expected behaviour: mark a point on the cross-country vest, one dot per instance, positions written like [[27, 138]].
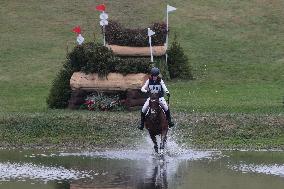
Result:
[[156, 87]]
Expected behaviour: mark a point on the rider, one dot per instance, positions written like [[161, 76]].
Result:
[[155, 85]]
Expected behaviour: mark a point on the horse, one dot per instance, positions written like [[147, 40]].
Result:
[[156, 122]]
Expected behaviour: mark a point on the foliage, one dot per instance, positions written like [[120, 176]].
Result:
[[95, 58], [116, 34], [60, 91], [103, 102], [178, 64], [92, 58], [77, 57], [126, 65]]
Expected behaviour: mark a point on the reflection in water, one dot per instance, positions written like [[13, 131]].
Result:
[[153, 176], [157, 177]]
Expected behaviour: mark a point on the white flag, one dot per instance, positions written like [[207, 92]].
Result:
[[170, 8], [80, 39], [150, 32]]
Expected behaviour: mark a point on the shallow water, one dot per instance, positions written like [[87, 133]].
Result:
[[178, 168]]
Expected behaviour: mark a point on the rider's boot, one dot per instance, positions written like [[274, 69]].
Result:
[[169, 118], [142, 121]]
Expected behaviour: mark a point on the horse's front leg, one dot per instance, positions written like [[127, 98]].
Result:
[[163, 139], [153, 137]]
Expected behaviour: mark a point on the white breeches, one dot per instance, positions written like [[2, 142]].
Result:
[[162, 102]]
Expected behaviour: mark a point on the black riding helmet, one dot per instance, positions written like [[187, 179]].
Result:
[[155, 71]]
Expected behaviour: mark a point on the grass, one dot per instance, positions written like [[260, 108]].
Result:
[[84, 129], [236, 49]]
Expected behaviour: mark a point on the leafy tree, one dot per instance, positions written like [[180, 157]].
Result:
[[178, 63]]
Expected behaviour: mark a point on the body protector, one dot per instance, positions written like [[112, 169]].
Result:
[[159, 87]]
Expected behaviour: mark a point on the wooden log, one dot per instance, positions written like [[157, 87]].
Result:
[[135, 94], [113, 81], [137, 51], [135, 102], [77, 99]]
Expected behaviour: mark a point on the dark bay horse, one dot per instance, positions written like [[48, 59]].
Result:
[[156, 122]]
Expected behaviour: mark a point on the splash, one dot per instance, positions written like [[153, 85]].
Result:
[[25, 171], [274, 169], [145, 152]]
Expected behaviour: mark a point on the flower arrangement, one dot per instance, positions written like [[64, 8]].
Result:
[[102, 102]]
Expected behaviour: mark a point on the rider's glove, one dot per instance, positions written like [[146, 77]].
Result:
[[144, 90]]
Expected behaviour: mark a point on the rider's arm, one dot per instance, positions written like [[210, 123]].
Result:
[[145, 86], [164, 87]]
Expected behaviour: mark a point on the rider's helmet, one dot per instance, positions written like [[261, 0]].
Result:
[[155, 71]]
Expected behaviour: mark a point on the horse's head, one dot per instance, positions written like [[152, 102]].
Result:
[[154, 103]]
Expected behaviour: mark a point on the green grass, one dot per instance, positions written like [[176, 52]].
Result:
[[84, 129], [235, 47]]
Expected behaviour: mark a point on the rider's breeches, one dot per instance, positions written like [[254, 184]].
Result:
[[162, 102]]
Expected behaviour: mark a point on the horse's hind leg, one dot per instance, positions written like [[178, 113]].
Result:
[[153, 137]]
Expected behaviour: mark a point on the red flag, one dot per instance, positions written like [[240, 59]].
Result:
[[77, 29], [101, 7]]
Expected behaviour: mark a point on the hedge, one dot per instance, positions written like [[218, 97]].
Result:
[[116, 34]]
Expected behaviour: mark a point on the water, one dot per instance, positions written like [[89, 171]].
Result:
[[178, 168]]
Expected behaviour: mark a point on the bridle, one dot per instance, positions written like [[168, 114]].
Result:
[[154, 111]]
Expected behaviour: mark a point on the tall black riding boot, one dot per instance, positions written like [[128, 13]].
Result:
[[169, 118], [142, 121]]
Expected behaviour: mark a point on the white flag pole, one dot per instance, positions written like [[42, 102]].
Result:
[[150, 33], [167, 29], [104, 35], [167, 36], [169, 9], [103, 23], [150, 41]]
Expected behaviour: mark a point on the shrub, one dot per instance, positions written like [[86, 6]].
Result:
[[60, 91], [118, 35], [94, 58], [178, 64], [129, 65], [77, 58]]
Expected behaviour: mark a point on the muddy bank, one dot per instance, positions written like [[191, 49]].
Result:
[[92, 130]]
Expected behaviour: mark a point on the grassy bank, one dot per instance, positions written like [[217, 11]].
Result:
[[64, 129]]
